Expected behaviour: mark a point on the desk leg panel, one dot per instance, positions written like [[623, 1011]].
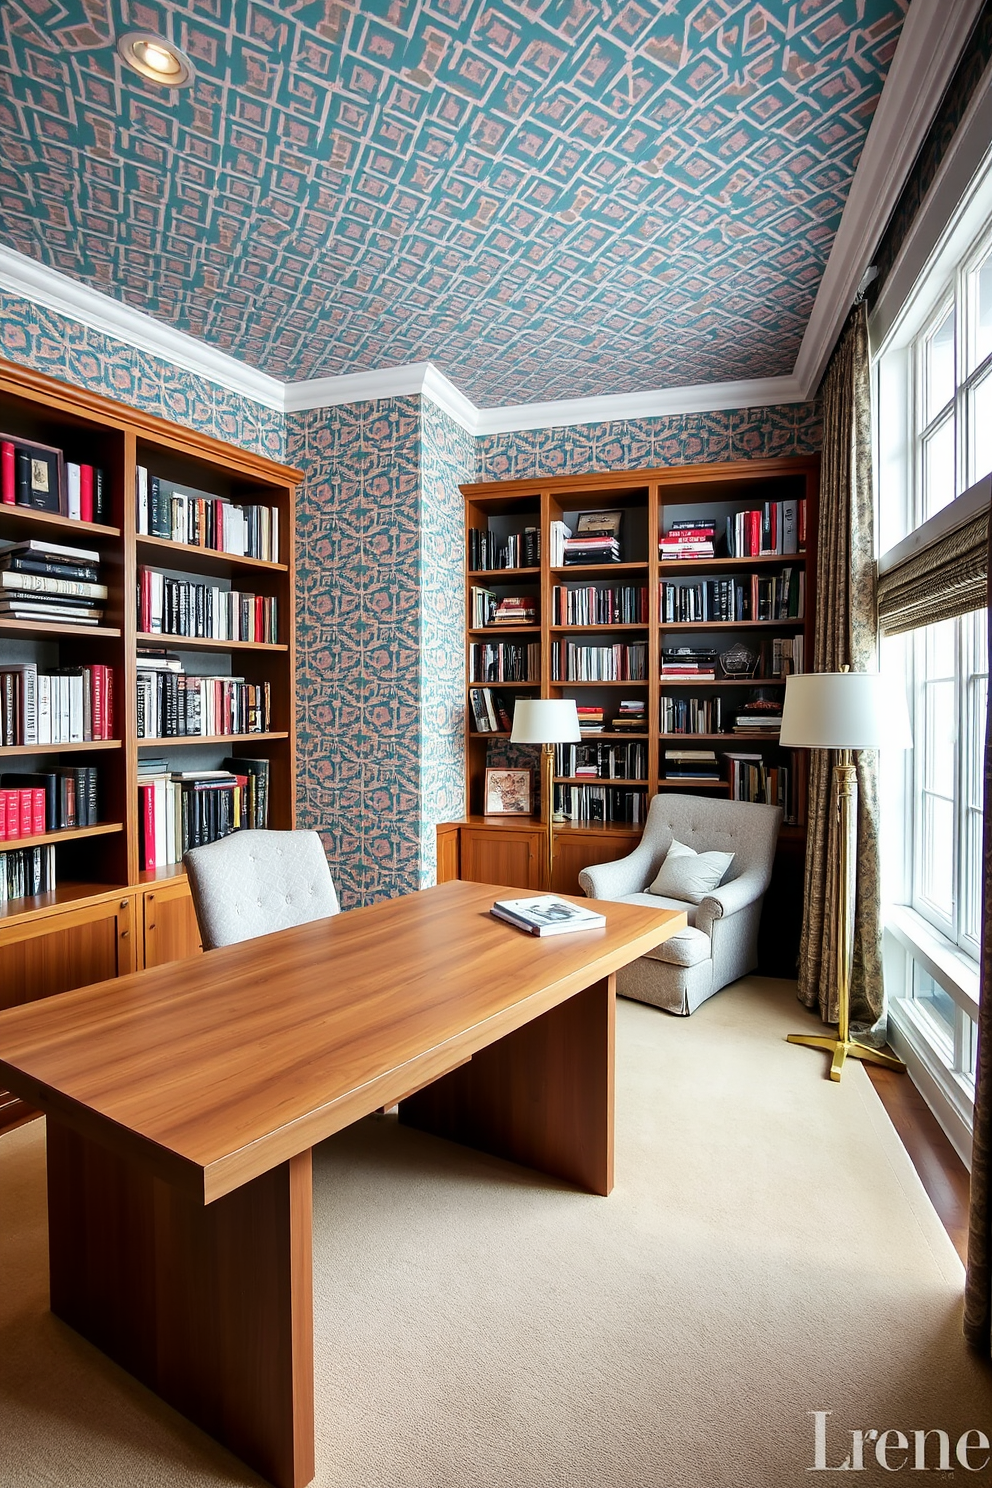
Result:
[[210, 1306], [543, 1096]]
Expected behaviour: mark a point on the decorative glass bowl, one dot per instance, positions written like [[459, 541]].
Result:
[[739, 661]]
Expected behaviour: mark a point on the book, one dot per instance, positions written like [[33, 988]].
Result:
[[547, 915], [30, 583], [55, 550]]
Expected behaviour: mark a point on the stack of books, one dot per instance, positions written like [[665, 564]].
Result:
[[174, 704], [590, 719], [47, 801], [775, 527], [692, 663], [490, 713], [632, 716], [759, 718], [695, 537], [46, 581], [691, 764], [189, 808], [518, 610], [71, 705], [184, 515], [596, 540]]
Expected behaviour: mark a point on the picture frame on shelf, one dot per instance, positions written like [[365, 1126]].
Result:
[[508, 792], [32, 475]]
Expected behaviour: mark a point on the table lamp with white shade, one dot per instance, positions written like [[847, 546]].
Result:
[[844, 711], [546, 721]]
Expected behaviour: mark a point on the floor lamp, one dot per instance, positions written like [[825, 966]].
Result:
[[844, 711], [546, 721]]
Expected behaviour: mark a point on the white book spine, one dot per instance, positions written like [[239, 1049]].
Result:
[[142, 501], [72, 490], [75, 710], [44, 709], [275, 534]]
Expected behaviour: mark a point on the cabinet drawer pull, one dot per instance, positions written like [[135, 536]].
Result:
[[125, 934], [151, 927]]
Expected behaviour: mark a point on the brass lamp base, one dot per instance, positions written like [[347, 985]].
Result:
[[841, 1049]]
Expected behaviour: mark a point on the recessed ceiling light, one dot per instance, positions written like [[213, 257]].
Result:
[[156, 58]]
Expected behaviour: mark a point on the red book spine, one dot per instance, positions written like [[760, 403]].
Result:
[[38, 810], [25, 812], [108, 702], [96, 705], [13, 815], [8, 473], [754, 534], [146, 600], [3, 815], [86, 493], [259, 619], [147, 794]]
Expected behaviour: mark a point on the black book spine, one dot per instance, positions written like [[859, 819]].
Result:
[[23, 478]]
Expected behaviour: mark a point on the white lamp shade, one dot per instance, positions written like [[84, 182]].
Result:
[[545, 721], [844, 710]]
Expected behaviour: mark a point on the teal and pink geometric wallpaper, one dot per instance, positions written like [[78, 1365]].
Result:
[[546, 200]]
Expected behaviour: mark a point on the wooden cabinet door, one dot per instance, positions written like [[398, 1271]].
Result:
[[499, 856], [575, 850], [170, 929], [447, 852], [53, 953]]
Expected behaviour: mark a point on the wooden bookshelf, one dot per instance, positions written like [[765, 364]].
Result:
[[101, 919], [650, 500]]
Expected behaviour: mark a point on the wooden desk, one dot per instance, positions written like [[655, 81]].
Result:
[[183, 1102]]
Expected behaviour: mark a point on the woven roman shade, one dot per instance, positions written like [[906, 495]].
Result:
[[945, 579]]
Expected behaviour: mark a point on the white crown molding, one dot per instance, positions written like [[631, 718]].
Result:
[[708, 397], [933, 36], [22, 276]]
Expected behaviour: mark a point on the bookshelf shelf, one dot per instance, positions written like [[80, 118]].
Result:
[[95, 924], [598, 780], [167, 642], [51, 628], [21, 522], [173, 741], [577, 571], [498, 574], [668, 567], [190, 557], [641, 625], [15, 751], [65, 834], [701, 625], [491, 630]]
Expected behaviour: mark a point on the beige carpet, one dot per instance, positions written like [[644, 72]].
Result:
[[768, 1251]]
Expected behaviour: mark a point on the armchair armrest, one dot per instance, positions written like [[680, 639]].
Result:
[[729, 898], [627, 875]]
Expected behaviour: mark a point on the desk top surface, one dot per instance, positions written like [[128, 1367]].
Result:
[[215, 1069]]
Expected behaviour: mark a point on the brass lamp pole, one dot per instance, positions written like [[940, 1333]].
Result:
[[546, 721], [844, 711]]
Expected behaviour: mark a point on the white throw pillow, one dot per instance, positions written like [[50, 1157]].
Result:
[[690, 875]]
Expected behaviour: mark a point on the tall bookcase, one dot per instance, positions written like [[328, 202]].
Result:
[[651, 501], [107, 915]]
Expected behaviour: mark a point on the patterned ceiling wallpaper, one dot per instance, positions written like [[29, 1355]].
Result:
[[548, 198]]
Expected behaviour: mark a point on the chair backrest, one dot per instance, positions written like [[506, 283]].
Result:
[[748, 831], [252, 883]]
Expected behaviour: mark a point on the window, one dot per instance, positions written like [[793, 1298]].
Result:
[[952, 358], [933, 410], [949, 688]]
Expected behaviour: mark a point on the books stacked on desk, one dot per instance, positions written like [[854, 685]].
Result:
[[691, 764], [32, 803], [45, 581], [590, 718], [632, 716], [693, 663], [189, 808], [693, 537], [596, 540], [546, 915], [759, 718], [519, 610], [70, 705]]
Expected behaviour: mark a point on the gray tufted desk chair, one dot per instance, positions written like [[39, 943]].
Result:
[[252, 883]]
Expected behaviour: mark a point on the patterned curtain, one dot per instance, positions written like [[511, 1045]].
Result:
[[845, 634], [978, 1284]]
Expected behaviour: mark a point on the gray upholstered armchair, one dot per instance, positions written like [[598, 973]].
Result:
[[721, 943]]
